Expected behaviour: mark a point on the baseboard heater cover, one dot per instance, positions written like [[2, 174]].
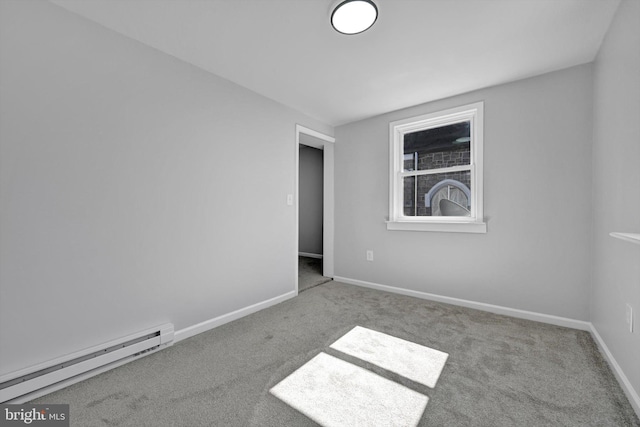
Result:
[[28, 380]]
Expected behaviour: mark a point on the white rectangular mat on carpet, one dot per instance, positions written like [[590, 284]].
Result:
[[335, 393], [413, 361]]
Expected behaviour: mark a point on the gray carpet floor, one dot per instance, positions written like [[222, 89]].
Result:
[[501, 371], [310, 273]]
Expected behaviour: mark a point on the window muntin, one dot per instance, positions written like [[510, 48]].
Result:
[[434, 157]]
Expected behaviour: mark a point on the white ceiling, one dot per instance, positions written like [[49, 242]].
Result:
[[418, 50]]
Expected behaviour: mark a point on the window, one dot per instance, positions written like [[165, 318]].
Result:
[[436, 172]]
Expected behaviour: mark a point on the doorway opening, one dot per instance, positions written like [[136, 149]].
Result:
[[314, 208]]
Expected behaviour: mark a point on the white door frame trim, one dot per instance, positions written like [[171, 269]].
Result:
[[326, 144]]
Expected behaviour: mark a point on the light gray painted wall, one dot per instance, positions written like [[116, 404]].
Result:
[[616, 188], [310, 200], [135, 188], [537, 176]]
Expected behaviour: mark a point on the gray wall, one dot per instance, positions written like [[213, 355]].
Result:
[[310, 200], [616, 188], [537, 201], [124, 188]]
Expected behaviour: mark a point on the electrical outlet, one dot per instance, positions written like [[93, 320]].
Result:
[[369, 255], [629, 317]]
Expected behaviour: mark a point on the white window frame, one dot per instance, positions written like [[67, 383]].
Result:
[[474, 113]]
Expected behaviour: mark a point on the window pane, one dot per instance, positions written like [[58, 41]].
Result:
[[409, 162], [423, 194], [439, 147]]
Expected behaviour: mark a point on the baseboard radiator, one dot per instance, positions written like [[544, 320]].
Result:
[[18, 386]]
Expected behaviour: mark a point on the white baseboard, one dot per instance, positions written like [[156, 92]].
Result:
[[229, 317], [626, 386], [513, 312], [631, 393], [178, 336], [310, 255]]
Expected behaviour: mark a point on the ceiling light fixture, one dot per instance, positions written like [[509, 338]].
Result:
[[354, 16]]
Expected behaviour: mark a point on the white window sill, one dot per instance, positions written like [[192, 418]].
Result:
[[445, 227]]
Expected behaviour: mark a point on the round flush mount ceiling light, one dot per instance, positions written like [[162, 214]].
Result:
[[354, 16]]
